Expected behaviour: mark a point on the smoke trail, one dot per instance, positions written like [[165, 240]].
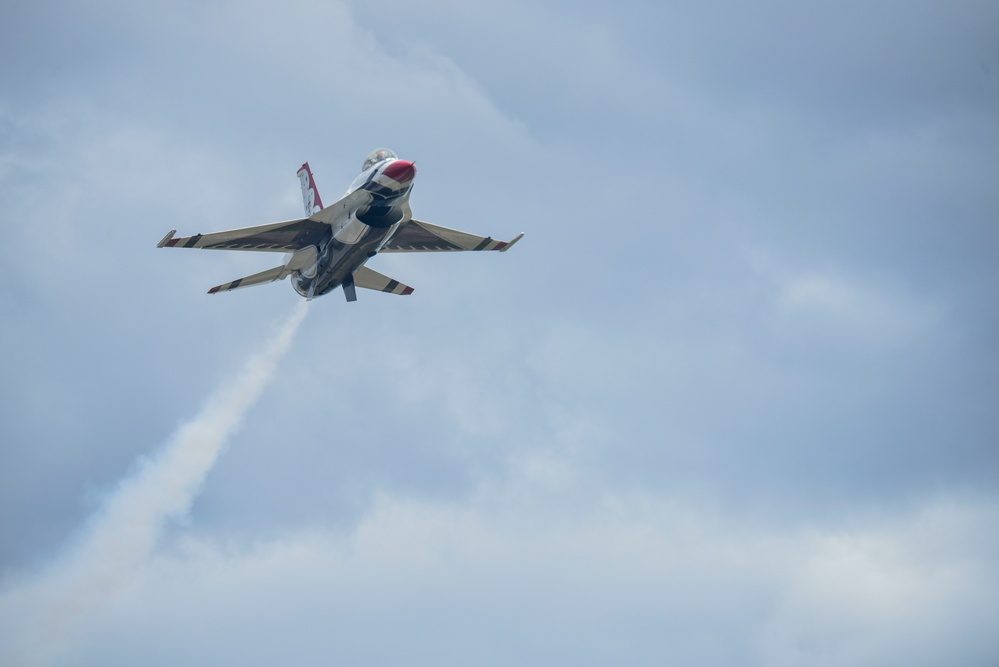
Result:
[[39, 614]]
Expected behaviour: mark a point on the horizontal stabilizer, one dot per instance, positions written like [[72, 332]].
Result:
[[370, 279], [268, 276]]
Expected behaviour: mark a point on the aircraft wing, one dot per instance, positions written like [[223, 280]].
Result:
[[276, 237], [285, 236], [419, 236]]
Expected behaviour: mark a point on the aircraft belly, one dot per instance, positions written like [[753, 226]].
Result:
[[352, 232], [338, 260], [303, 261]]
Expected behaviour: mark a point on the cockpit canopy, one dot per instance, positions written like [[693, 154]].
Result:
[[376, 156]]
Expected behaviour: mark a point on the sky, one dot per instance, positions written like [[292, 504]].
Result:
[[731, 400]]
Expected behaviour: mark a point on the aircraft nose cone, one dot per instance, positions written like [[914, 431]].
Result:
[[401, 171]]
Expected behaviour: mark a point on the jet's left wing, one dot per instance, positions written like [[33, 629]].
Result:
[[419, 236], [287, 236], [276, 237]]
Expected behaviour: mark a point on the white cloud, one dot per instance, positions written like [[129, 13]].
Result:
[[508, 578], [919, 592]]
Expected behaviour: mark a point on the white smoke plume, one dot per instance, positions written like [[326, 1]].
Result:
[[40, 613]]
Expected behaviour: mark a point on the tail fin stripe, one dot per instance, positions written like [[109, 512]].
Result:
[[310, 193]]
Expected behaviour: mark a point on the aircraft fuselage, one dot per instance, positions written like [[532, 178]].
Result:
[[357, 234]]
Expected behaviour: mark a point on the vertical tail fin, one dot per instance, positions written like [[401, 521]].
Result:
[[310, 195]]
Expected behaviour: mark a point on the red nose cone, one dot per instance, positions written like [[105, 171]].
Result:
[[401, 171]]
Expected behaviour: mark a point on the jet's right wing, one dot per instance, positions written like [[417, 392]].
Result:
[[419, 236]]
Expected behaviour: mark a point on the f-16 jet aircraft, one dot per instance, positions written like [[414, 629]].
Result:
[[330, 246]]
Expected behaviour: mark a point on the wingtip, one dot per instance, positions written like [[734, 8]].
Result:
[[511, 243], [166, 239]]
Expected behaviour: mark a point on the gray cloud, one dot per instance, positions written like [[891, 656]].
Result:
[[40, 613], [756, 289]]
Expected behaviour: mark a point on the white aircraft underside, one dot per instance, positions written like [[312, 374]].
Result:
[[329, 248]]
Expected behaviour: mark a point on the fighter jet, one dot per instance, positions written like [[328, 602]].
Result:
[[330, 246]]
